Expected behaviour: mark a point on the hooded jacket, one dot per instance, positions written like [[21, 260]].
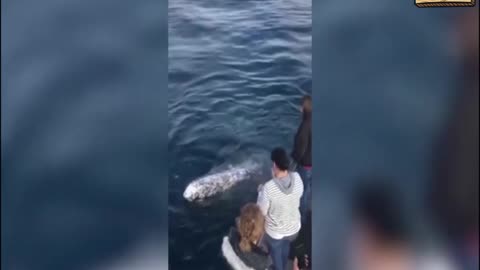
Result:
[[279, 200]]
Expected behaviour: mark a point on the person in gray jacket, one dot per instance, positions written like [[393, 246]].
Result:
[[279, 201]]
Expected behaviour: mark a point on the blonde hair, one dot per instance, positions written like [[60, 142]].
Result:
[[250, 226]]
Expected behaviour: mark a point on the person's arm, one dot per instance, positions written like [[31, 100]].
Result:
[[300, 143], [263, 201], [295, 264], [299, 182]]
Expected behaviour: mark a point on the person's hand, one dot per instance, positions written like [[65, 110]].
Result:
[[295, 264], [305, 261]]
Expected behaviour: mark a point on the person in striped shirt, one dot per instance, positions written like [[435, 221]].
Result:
[[279, 201]]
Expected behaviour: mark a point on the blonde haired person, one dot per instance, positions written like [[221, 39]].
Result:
[[242, 247]]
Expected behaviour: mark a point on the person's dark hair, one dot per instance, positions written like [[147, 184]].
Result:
[[376, 204], [307, 106], [280, 157]]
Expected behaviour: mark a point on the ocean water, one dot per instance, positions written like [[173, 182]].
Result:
[[237, 72], [82, 135]]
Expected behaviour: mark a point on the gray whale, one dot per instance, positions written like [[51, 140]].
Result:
[[215, 183]]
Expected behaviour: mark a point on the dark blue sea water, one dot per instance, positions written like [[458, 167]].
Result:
[[237, 71], [82, 135]]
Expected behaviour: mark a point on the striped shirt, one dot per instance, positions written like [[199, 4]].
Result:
[[280, 206]]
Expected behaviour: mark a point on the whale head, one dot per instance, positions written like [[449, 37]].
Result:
[[215, 183], [191, 192]]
